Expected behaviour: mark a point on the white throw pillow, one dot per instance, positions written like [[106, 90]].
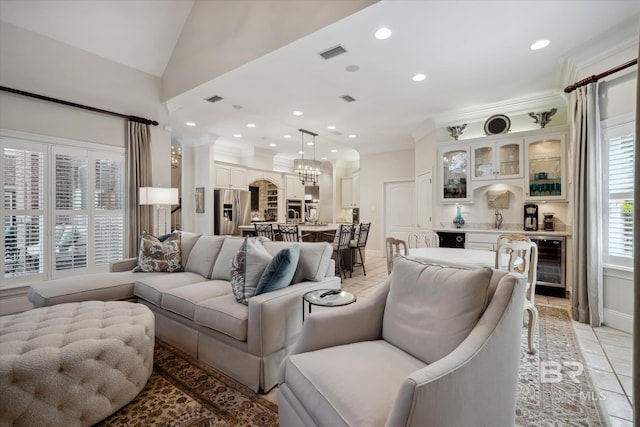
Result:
[[247, 268]]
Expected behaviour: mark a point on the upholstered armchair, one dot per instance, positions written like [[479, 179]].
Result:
[[434, 345]]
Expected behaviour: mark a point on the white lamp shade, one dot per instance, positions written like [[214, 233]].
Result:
[[158, 196]]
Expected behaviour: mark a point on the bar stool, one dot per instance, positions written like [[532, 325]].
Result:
[[265, 230], [358, 244], [289, 233], [341, 244]]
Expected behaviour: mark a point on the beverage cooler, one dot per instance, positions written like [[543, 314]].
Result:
[[551, 265]]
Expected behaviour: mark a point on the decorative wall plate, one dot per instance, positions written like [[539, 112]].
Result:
[[497, 124]]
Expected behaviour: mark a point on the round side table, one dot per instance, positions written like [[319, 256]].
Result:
[[327, 298]]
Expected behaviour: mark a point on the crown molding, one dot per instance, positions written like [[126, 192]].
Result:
[[601, 55], [567, 74], [513, 106]]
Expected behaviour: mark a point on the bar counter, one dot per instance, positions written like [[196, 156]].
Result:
[[310, 233]]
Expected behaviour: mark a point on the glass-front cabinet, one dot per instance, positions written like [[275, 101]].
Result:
[[498, 160], [454, 174], [546, 167]]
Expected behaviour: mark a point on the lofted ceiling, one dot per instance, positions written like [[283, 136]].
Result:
[[474, 54]]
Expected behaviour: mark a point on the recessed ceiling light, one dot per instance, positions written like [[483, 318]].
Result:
[[272, 145], [297, 113], [310, 143], [419, 77], [382, 33], [190, 124], [331, 127], [353, 135], [237, 107], [352, 68], [540, 44], [334, 151], [251, 125], [237, 135], [287, 136], [300, 152], [323, 158]]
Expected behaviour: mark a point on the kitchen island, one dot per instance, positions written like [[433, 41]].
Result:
[[310, 232]]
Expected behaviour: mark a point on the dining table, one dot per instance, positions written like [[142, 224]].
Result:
[[476, 257]]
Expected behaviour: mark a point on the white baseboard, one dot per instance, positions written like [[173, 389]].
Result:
[[375, 252], [14, 304], [618, 320]]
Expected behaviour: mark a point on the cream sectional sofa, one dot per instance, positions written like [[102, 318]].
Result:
[[196, 310]]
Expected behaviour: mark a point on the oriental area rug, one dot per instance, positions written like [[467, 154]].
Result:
[[183, 392], [554, 385], [554, 388]]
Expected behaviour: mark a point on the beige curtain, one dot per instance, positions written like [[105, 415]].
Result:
[[636, 265], [139, 173], [587, 212]]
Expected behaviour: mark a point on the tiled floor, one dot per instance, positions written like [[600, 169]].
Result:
[[607, 351]]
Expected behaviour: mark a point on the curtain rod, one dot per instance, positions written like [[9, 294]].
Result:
[[84, 107], [593, 79]]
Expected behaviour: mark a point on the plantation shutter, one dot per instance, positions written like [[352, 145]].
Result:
[[109, 210], [71, 209], [23, 170], [620, 199]]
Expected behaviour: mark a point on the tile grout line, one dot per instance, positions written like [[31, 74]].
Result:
[[613, 369]]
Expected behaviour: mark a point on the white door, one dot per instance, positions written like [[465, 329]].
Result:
[[424, 201], [399, 209]]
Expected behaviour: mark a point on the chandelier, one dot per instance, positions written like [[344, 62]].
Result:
[[176, 156], [308, 169]]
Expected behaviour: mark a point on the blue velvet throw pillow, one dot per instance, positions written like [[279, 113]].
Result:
[[280, 270]]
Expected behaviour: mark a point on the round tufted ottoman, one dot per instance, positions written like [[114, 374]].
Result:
[[73, 364]]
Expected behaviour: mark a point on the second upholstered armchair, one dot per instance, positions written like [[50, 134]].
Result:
[[433, 346]]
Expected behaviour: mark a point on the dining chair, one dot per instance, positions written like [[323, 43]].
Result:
[[358, 244], [264, 230], [424, 239], [519, 254], [289, 233], [340, 245], [395, 246], [508, 238]]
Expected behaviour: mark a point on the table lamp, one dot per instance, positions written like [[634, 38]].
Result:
[[160, 197]]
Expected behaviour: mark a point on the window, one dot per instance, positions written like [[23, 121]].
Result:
[[619, 162], [109, 210], [63, 209], [23, 211]]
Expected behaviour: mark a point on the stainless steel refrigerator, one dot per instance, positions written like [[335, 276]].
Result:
[[232, 208]]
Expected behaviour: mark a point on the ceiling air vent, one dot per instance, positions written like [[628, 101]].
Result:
[[348, 98], [334, 51], [214, 98]]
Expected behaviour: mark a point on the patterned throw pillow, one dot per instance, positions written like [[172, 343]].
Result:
[[159, 256], [280, 270], [246, 269]]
